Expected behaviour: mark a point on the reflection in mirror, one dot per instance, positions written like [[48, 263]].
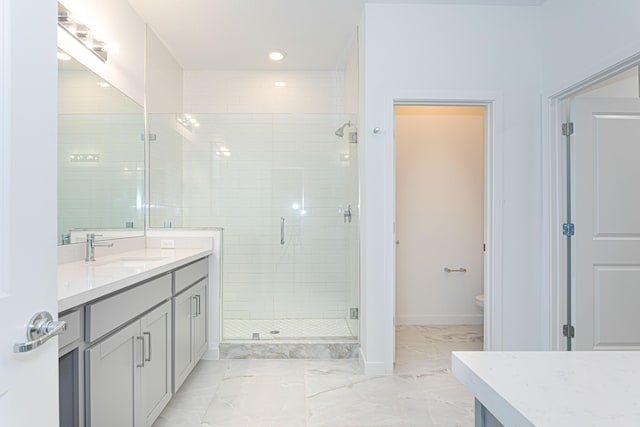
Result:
[[100, 157]]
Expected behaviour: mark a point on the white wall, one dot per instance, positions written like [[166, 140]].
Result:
[[579, 39], [582, 38], [254, 92], [438, 52], [163, 78], [123, 30], [439, 214]]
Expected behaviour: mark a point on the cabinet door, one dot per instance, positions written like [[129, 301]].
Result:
[[156, 373], [200, 319], [113, 381], [183, 357]]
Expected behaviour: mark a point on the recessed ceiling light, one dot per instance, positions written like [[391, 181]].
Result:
[[63, 56], [103, 84], [280, 84], [277, 55]]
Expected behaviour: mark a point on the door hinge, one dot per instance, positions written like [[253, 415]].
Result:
[[568, 229], [353, 313], [568, 331], [567, 129]]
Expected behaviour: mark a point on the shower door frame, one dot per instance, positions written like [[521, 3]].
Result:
[[283, 237]]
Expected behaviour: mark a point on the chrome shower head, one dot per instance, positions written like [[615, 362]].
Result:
[[340, 131]]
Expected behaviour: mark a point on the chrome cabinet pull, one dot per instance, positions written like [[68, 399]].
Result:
[[282, 230], [141, 339], [41, 328], [194, 311], [455, 270], [198, 312], [148, 358]]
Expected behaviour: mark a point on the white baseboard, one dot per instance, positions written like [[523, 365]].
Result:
[[441, 319], [373, 368], [212, 353]]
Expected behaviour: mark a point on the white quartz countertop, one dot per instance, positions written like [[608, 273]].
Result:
[[80, 282], [580, 388]]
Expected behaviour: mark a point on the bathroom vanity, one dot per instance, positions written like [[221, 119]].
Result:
[[136, 326], [548, 389]]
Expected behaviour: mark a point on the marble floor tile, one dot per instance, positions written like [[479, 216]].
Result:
[[333, 392]]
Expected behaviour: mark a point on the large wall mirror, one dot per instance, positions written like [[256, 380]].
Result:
[[100, 157]]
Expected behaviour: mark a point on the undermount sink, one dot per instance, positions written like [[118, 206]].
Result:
[[130, 261]]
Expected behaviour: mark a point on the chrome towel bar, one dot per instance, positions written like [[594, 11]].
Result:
[[455, 270]]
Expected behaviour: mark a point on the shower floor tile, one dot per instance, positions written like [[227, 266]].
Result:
[[277, 329]]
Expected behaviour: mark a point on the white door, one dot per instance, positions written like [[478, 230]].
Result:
[[606, 211], [28, 381], [439, 214]]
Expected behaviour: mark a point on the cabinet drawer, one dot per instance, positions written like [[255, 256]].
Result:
[[190, 274], [112, 312], [72, 334]]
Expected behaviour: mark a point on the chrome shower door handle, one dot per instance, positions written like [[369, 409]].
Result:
[[282, 230], [41, 328], [455, 270], [347, 214]]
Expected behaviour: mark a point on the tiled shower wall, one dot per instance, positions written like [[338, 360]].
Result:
[[247, 172], [262, 153]]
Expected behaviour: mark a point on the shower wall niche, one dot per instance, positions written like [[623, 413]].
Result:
[[285, 189]]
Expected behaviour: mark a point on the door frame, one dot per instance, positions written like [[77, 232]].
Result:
[[554, 201], [493, 191]]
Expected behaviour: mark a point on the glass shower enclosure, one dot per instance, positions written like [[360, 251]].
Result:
[[285, 189]]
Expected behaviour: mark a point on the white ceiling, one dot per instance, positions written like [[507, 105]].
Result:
[[238, 34]]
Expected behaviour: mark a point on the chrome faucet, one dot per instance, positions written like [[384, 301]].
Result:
[[91, 245]]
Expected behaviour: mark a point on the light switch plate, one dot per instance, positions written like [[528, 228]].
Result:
[[167, 244]]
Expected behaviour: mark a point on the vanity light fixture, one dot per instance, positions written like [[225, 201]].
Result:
[[277, 55], [81, 33], [84, 158], [187, 121]]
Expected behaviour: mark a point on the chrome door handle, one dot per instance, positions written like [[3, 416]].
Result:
[[41, 328]]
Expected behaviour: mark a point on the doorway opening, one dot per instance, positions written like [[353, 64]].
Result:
[[440, 188], [599, 212]]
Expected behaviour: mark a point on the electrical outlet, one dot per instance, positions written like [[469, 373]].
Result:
[[167, 244]]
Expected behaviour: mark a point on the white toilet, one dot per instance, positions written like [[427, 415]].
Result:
[[480, 301]]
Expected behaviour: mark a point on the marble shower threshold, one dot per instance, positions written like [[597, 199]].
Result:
[[289, 349]]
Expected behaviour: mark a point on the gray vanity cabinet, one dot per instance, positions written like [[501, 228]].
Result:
[[190, 330], [129, 380], [156, 373], [114, 381]]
